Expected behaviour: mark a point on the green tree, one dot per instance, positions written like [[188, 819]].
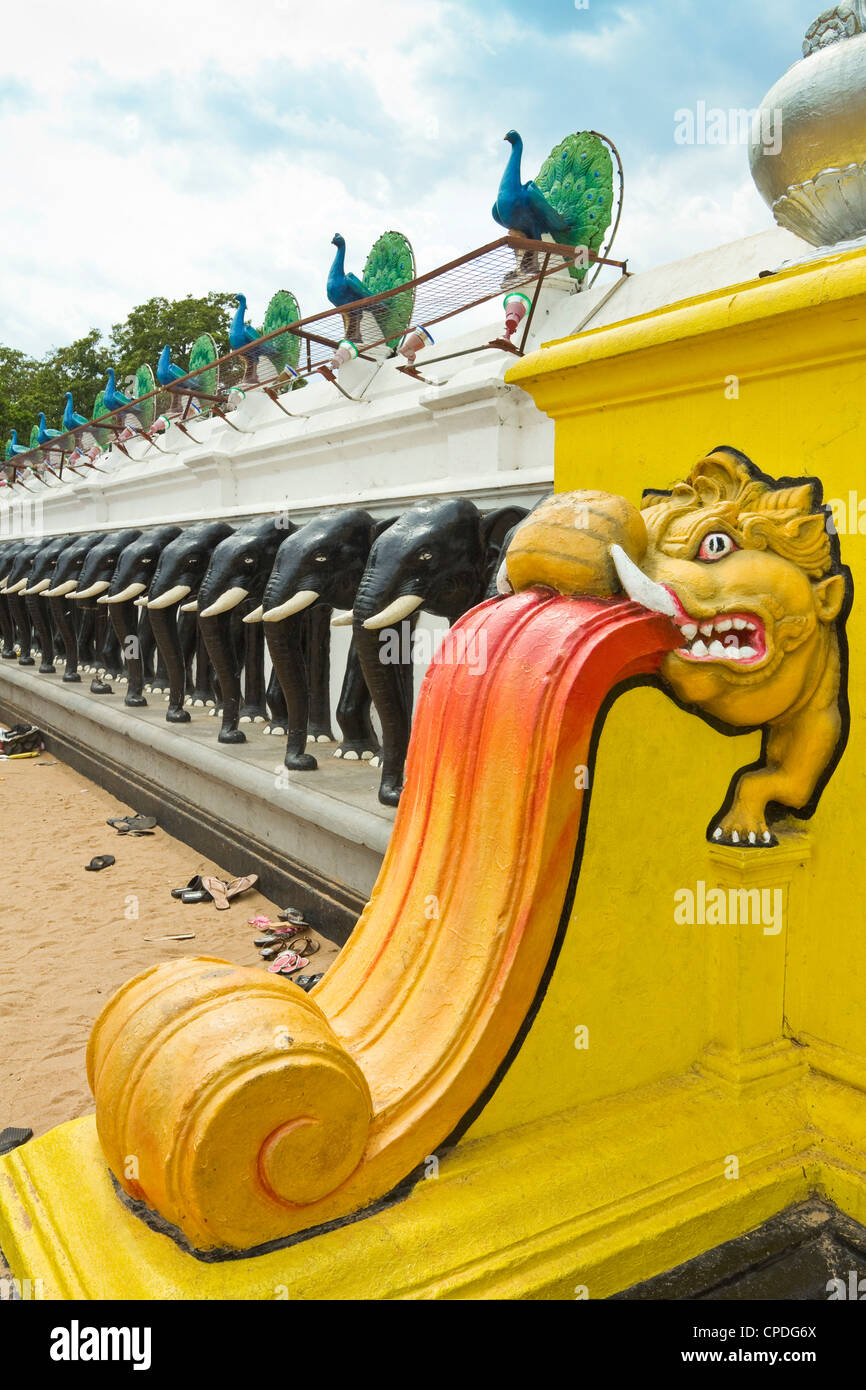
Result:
[[149, 326]]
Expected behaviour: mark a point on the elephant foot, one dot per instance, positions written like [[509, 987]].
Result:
[[201, 699], [135, 701], [314, 737], [9, 656], [357, 750], [301, 762], [278, 730], [158, 687], [231, 736], [176, 714], [100, 687], [389, 791], [26, 661], [72, 678], [252, 714], [47, 669]]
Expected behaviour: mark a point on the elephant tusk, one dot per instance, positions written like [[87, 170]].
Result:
[[99, 587], [16, 588], [141, 603], [343, 618], [63, 589], [230, 599], [191, 607], [503, 583], [304, 598], [395, 612], [38, 588], [131, 591], [639, 587], [170, 596], [255, 616]]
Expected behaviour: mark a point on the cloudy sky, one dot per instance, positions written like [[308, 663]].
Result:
[[182, 148]]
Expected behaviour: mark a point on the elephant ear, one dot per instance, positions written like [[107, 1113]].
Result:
[[495, 528], [380, 526]]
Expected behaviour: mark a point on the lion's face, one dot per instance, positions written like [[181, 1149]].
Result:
[[751, 622]]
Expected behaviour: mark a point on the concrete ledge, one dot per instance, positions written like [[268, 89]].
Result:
[[315, 839]]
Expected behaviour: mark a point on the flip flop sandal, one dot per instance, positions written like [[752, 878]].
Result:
[[118, 822], [100, 861], [292, 914], [194, 885], [195, 895], [240, 885], [287, 963], [307, 946], [137, 833], [307, 981], [140, 823], [217, 890], [13, 1139]]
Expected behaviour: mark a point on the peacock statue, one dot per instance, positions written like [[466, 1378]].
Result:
[[13, 448], [113, 398], [570, 201], [166, 370], [241, 333], [390, 263], [43, 434], [71, 420]]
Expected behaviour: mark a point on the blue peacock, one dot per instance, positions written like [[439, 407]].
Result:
[[43, 434], [13, 448], [241, 333], [167, 372], [266, 357], [571, 199], [390, 263]]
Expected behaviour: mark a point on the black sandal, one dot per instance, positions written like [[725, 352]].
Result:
[[100, 861], [13, 1139]]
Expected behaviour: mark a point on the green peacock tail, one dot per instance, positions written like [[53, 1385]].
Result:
[[577, 180], [285, 350], [34, 437], [391, 262], [101, 437], [204, 352], [145, 385]]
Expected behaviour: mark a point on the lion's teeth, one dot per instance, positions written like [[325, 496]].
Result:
[[740, 623], [699, 649], [746, 653], [689, 630], [707, 629], [716, 649], [724, 625]]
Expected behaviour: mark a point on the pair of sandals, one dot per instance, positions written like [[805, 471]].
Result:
[[132, 825], [202, 890]]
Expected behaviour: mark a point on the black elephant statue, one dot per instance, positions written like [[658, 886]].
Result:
[[440, 556], [8, 554], [41, 617], [179, 573], [317, 569], [16, 583], [74, 628], [232, 589], [132, 578], [95, 579]]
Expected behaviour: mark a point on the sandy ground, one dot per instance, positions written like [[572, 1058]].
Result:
[[70, 938]]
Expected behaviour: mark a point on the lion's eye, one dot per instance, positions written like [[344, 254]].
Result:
[[716, 545], [320, 559]]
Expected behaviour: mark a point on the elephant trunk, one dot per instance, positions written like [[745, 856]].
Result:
[[124, 620], [285, 646], [7, 629], [390, 685], [163, 625], [217, 636], [21, 619], [39, 619], [64, 623]]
